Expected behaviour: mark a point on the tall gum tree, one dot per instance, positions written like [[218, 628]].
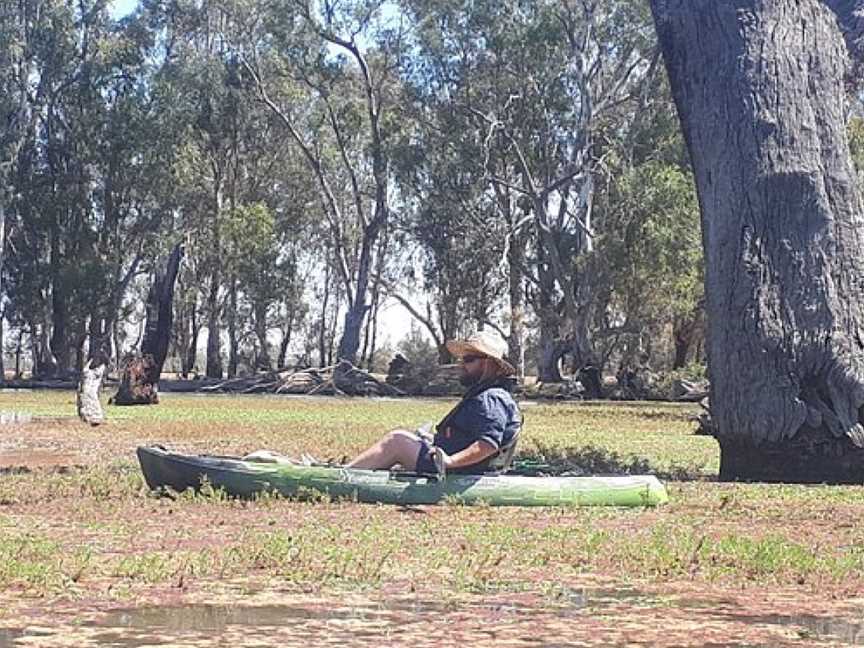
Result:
[[760, 90], [326, 53]]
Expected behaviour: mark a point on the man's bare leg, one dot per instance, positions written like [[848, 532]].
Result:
[[396, 447]]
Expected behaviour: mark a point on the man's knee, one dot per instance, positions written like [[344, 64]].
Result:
[[399, 437]]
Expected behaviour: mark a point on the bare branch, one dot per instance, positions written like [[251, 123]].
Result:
[[498, 329], [331, 210], [424, 320], [343, 151]]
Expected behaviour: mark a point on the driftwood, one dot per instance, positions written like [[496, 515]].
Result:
[[415, 380], [136, 384], [703, 420], [688, 391], [343, 379], [566, 390]]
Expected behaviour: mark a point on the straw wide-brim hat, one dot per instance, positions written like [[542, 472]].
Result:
[[485, 344]]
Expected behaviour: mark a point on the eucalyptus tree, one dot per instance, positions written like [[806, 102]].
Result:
[[218, 167], [760, 89], [328, 73], [83, 214], [207, 157], [533, 82], [452, 217], [647, 263], [15, 107], [265, 261]]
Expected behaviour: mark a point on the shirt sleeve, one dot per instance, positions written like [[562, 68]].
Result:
[[483, 419]]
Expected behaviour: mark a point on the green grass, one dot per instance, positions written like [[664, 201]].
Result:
[[62, 530], [658, 435]]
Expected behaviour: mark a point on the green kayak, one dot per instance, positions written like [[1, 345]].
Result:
[[163, 468]]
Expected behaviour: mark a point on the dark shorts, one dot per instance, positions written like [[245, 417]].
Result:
[[424, 460]]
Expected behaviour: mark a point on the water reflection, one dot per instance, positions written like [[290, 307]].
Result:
[[210, 618], [8, 637], [848, 632], [371, 621], [9, 417]]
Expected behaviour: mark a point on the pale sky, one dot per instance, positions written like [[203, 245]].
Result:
[[120, 8]]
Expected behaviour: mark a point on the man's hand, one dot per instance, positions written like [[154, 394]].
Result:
[[448, 460]]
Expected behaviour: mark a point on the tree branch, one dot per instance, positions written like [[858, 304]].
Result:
[[430, 326]]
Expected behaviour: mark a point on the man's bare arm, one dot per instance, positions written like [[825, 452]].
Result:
[[474, 453]]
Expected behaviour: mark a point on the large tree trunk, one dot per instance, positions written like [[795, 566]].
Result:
[[89, 385], [322, 333], [59, 343], [19, 349], [551, 348], [686, 330], [287, 331], [139, 380], [759, 87], [350, 341], [263, 361]]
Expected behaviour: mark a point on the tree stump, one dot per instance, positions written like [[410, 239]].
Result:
[[89, 408], [137, 385], [139, 381]]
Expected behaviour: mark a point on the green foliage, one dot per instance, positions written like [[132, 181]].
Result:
[[422, 353], [649, 256], [254, 253]]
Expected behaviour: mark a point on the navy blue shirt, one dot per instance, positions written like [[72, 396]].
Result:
[[491, 416]]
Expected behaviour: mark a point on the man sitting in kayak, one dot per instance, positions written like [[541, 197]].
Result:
[[483, 424]]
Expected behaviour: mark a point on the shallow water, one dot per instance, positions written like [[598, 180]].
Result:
[[849, 632], [322, 621], [33, 458]]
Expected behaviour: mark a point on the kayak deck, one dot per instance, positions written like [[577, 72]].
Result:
[[236, 477]]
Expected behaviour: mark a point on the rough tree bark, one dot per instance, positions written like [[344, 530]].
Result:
[[3, 200], [139, 381], [759, 86], [686, 329], [89, 385]]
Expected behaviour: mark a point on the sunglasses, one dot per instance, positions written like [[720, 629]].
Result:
[[471, 358]]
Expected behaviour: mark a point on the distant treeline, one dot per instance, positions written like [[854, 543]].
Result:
[[498, 164]]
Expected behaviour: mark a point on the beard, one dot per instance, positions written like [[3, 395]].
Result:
[[468, 380]]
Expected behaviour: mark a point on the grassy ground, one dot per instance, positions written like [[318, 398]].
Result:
[[80, 534]]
